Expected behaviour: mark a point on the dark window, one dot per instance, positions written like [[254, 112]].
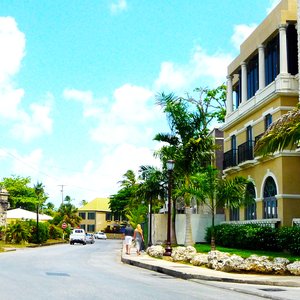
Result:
[[245, 150], [82, 215], [91, 216], [108, 216], [233, 148], [90, 228], [272, 60], [234, 214], [116, 217], [268, 121], [250, 209], [270, 201], [252, 77], [291, 36], [82, 226]]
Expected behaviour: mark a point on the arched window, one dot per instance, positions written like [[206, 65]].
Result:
[[250, 209], [270, 201]]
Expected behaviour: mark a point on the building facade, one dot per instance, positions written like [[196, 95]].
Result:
[[262, 85], [96, 216]]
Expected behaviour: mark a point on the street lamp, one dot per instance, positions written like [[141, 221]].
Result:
[[170, 167]]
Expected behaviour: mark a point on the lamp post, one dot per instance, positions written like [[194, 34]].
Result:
[[170, 167]]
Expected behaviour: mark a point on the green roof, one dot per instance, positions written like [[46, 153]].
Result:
[[98, 204]]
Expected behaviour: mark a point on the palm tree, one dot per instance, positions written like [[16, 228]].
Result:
[[152, 188], [188, 144], [39, 192], [283, 133], [213, 191]]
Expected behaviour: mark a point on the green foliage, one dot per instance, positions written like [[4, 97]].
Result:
[[55, 232], [20, 194], [43, 232], [18, 232], [257, 237], [289, 239], [67, 213], [137, 215]]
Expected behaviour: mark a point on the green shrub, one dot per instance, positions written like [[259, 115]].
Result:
[[55, 232], [289, 239], [250, 236], [43, 233], [18, 232]]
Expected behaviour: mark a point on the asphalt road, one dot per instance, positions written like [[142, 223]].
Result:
[[94, 272]]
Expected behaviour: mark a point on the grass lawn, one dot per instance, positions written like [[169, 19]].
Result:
[[4, 245], [205, 248]]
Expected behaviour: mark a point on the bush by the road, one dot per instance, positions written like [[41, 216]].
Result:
[[253, 236]]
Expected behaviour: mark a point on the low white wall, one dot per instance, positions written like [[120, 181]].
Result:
[[199, 224]]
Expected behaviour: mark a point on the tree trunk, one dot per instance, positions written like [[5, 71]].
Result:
[[188, 227], [213, 241]]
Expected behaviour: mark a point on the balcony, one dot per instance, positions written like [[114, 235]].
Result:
[[230, 159], [245, 152]]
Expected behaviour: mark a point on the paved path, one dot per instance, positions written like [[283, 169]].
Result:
[[193, 272]]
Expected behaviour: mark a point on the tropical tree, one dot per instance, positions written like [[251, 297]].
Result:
[[67, 213], [189, 143], [137, 215], [18, 232], [126, 198], [20, 193], [40, 197], [152, 189], [212, 190], [283, 133]]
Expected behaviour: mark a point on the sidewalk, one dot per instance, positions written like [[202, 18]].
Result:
[[193, 272]]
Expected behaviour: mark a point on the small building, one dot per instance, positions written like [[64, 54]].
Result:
[[22, 214], [96, 216]]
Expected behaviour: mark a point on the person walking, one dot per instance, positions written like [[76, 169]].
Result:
[[139, 238], [128, 238]]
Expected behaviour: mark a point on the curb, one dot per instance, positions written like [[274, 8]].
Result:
[[219, 278]]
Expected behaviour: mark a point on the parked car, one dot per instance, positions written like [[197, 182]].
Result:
[[100, 235], [89, 238]]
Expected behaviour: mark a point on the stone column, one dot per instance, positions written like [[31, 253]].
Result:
[[283, 65], [244, 81], [3, 206], [229, 99], [261, 67]]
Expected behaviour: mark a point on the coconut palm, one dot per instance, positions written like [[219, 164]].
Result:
[[188, 144], [212, 190], [283, 133], [152, 189], [40, 194]]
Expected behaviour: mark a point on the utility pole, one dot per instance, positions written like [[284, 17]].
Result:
[[62, 192]]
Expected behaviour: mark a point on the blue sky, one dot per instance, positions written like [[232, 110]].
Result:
[[78, 81]]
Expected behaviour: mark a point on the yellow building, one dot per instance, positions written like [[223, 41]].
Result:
[[96, 215], [262, 85]]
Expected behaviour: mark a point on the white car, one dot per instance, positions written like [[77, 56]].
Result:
[[100, 235]]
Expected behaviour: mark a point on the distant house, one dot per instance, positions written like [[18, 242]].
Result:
[[96, 216], [22, 214]]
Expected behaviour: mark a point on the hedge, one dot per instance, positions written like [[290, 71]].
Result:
[[256, 237]]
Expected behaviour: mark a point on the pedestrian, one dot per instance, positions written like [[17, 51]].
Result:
[[128, 233], [139, 238]]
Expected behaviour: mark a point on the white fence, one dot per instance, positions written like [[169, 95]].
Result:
[[199, 224]]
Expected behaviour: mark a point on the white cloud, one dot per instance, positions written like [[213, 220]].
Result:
[[203, 69], [12, 48], [30, 126], [273, 4], [118, 6], [24, 126], [241, 32]]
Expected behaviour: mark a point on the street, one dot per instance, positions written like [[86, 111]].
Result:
[[96, 272]]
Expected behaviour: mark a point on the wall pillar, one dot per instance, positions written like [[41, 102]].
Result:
[[244, 81], [261, 67], [283, 65], [229, 98]]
